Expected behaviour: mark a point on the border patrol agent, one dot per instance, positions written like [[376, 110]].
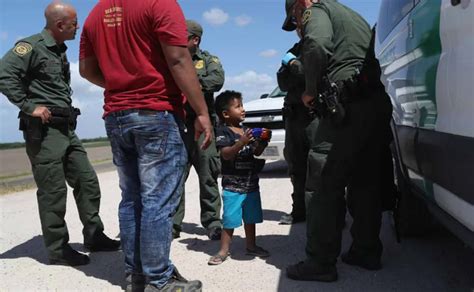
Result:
[[297, 118], [342, 79], [206, 162], [35, 77]]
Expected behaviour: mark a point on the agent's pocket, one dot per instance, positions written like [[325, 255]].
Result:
[[314, 170], [215, 166]]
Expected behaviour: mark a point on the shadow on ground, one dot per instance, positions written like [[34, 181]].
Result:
[[437, 262], [106, 266]]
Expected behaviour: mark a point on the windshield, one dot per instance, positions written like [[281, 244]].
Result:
[[277, 93]]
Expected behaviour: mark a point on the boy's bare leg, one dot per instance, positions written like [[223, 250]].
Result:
[[226, 239], [250, 236]]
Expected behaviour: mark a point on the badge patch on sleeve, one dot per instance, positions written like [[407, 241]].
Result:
[[22, 49], [306, 16], [199, 64]]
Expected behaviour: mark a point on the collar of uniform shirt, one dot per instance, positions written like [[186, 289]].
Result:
[[50, 42]]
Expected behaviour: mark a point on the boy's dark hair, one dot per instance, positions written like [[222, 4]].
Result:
[[223, 101]]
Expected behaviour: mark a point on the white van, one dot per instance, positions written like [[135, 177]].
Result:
[[266, 112], [426, 53]]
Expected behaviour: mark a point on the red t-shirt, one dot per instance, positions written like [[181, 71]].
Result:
[[126, 38]]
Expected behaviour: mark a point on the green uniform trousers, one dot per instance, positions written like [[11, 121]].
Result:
[[297, 118], [57, 158], [207, 165], [351, 154]]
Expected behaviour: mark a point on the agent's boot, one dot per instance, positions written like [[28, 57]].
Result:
[[371, 263], [214, 233], [307, 271], [69, 257], [100, 242]]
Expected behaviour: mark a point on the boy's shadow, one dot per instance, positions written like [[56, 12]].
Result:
[[104, 265]]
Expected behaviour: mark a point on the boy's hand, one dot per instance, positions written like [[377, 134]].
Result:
[[247, 137]]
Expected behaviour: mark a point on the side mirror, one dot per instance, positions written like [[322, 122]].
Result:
[[264, 95]]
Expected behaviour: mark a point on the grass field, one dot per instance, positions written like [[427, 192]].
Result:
[[15, 163]]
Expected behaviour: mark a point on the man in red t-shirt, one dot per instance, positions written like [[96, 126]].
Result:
[[137, 51]]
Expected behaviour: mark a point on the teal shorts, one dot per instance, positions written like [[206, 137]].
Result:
[[238, 207]]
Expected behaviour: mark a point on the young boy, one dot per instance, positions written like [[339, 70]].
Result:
[[241, 195]]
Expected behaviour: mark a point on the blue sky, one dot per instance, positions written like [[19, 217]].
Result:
[[245, 34]]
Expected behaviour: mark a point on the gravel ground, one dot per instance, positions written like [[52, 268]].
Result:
[[436, 263]]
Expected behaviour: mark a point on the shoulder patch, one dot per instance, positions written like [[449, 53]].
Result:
[[22, 48], [306, 16], [215, 60], [199, 64]]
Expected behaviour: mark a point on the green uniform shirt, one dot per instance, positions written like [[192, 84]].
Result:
[[335, 42], [291, 77], [210, 74], [36, 72]]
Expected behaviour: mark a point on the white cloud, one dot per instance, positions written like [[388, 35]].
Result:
[[251, 84], [215, 16], [268, 53], [242, 20], [3, 36]]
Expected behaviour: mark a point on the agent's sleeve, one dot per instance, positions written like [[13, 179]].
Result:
[[293, 73], [296, 68], [284, 78], [13, 75], [317, 46], [214, 78]]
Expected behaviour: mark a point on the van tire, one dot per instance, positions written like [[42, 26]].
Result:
[[411, 214]]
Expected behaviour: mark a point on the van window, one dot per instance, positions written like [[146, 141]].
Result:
[[391, 12], [277, 92]]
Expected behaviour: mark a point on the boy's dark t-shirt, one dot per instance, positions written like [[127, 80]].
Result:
[[241, 174]]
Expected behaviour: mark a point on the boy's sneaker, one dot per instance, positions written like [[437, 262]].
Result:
[[177, 283]]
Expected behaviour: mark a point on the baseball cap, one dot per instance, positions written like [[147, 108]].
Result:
[[289, 23], [194, 28]]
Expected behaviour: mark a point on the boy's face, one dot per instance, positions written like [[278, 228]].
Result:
[[236, 111]]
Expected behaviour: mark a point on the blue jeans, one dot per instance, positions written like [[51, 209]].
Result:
[[150, 157]]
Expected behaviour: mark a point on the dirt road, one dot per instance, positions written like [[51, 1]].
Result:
[[436, 263], [15, 161]]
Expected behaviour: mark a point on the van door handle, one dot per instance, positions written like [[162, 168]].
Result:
[[410, 28], [455, 2]]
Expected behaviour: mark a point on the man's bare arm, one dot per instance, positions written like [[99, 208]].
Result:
[[181, 67], [90, 70]]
